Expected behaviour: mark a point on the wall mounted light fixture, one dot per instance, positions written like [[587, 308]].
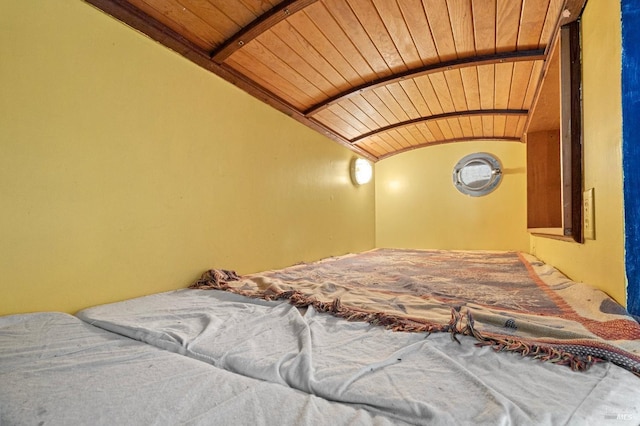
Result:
[[361, 171]]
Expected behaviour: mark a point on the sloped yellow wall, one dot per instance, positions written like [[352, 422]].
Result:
[[599, 262], [417, 205], [127, 170]]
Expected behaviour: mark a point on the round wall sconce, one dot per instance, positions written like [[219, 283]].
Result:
[[361, 171], [477, 174]]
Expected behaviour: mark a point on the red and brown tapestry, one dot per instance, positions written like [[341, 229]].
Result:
[[508, 300]]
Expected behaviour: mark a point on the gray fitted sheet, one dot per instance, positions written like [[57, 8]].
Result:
[[419, 379], [58, 370]]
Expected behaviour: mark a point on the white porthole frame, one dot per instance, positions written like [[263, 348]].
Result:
[[488, 174]]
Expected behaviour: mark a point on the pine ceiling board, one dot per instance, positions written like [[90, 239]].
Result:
[[461, 21], [445, 129], [274, 44], [550, 23], [486, 83], [411, 135], [456, 89], [325, 22], [536, 73], [519, 84], [403, 100], [386, 140], [391, 103], [295, 41], [484, 26], [417, 24], [531, 23], [476, 125], [471, 87], [350, 119], [182, 22], [511, 126], [398, 137], [390, 152], [456, 130], [503, 75], [499, 124], [465, 124], [369, 110], [336, 123], [430, 131], [425, 132], [359, 114], [398, 29], [428, 94], [408, 137], [487, 126], [416, 134], [435, 130], [393, 145], [378, 33], [276, 69], [419, 134], [438, 17], [316, 40], [255, 71], [212, 16], [350, 23], [520, 128], [372, 98], [390, 145], [439, 83], [372, 148], [258, 7], [413, 92], [238, 11], [507, 24]]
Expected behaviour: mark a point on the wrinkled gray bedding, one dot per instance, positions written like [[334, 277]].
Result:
[[58, 370], [419, 379]]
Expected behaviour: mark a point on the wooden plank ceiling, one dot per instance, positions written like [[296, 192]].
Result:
[[378, 76]]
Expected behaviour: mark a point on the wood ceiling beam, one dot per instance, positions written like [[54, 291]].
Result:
[[135, 18], [458, 114], [445, 141], [258, 26], [474, 61]]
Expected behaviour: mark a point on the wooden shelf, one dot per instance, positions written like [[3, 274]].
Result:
[[554, 144]]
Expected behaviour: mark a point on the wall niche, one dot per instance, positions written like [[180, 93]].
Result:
[[554, 144]]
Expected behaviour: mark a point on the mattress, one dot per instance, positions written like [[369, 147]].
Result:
[[58, 370], [418, 378]]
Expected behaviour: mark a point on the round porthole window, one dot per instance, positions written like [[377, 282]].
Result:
[[477, 174]]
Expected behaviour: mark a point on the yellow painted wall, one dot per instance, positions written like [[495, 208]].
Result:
[[417, 205], [127, 170], [599, 262]]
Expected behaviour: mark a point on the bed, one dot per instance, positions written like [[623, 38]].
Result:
[[58, 370], [416, 336]]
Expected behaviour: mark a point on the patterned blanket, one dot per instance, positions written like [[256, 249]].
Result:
[[510, 301]]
